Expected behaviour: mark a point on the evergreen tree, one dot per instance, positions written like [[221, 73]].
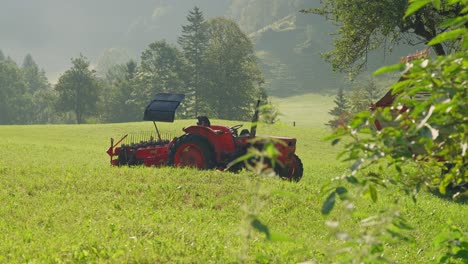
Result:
[[163, 68], [194, 42], [364, 95], [39, 90], [340, 111], [119, 104], [44, 107], [2, 56], [34, 77], [234, 77], [269, 112], [131, 70], [14, 103], [78, 90]]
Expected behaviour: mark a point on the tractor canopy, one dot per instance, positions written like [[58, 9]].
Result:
[[162, 108]]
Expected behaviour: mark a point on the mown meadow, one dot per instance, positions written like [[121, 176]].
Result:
[[61, 202]]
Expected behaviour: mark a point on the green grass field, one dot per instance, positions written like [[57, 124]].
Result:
[[308, 110], [61, 202]]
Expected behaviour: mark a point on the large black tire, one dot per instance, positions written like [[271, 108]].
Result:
[[192, 150], [294, 172]]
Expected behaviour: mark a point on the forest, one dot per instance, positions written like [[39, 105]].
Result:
[[279, 55], [214, 65]]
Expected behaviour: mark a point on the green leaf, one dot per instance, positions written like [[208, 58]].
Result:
[[256, 224], [335, 141], [448, 35], [454, 22], [398, 168], [442, 188], [342, 192], [465, 10], [390, 68], [462, 254], [373, 192], [329, 204], [352, 179], [415, 6]]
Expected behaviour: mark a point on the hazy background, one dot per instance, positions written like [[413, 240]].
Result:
[[287, 42]]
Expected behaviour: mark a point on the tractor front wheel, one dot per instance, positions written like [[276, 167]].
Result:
[[294, 171], [192, 151]]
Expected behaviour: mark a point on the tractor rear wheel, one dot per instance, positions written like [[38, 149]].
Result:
[[192, 151], [294, 171]]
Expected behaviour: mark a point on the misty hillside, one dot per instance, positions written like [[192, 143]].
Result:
[[289, 52], [289, 43]]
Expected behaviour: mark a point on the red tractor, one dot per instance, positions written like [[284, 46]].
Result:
[[203, 146]]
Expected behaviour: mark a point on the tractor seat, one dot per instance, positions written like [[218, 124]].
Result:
[[203, 121], [244, 132]]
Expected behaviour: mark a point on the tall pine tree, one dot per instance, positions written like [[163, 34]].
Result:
[[34, 77], [39, 91], [194, 42], [340, 112]]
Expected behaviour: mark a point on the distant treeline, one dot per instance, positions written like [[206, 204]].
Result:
[[214, 66]]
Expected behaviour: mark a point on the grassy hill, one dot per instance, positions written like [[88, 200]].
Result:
[[62, 202]]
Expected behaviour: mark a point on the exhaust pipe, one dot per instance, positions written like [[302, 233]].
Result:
[[253, 128]]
